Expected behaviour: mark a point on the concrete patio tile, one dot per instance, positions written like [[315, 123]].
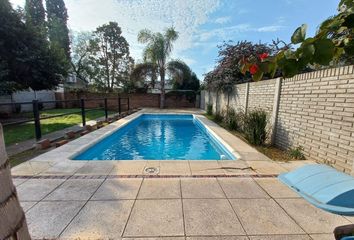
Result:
[[70, 147], [210, 217], [82, 141], [30, 168], [219, 238], [27, 205], [291, 165], [36, 189], [174, 168], [128, 167], [206, 168], [241, 188], [113, 189], [157, 238], [322, 236], [254, 156], [160, 188], [351, 219], [264, 216], [99, 220], [235, 167], [68, 167], [310, 218], [75, 189], [280, 237], [275, 188], [51, 156], [96, 168], [266, 167], [48, 219], [155, 218], [201, 188], [19, 181]]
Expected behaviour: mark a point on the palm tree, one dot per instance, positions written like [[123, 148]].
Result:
[[12, 219], [155, 55]]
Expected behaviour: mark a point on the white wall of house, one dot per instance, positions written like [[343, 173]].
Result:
[[27, 96]]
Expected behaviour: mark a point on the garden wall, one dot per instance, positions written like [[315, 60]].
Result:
[[137, 100], [313, 110]]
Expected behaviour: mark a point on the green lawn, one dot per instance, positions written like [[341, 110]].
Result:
[[18, 133]]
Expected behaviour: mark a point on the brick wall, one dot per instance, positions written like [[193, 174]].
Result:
[[261, 95], [137, 100], [316, 111], [313, 110]]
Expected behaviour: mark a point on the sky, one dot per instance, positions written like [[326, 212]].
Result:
[[202, 24]]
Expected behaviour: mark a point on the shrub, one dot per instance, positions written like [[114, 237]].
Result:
[[233, 119], [297, 153], [218, 117], [255, 124], [209, 110]]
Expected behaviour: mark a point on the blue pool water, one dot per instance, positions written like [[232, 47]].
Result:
[[159, 137]]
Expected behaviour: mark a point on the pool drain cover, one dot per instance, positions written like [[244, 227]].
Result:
[[151, 170]]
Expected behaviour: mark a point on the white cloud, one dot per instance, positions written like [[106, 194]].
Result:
[[132, 16], [224, 32], [271, 28], [222, 20]]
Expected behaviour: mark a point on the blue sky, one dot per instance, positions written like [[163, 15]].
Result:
[[202, 24]]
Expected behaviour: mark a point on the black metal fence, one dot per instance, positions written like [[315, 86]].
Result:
[[37, 106]]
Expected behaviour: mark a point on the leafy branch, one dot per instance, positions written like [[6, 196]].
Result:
[[333, 39]]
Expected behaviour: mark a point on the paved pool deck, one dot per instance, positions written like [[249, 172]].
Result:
[[226, 200]]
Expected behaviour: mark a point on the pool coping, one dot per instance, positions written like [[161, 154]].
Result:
[[57, 162]]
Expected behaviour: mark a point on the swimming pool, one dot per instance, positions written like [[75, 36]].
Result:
[[159, 137]]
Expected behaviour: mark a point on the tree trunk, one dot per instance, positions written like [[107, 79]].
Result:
[[162, 83], [12, 218]]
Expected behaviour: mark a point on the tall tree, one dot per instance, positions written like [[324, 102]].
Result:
[[110, 58], [81, 59], [156, 54], [26, 60], [35, 13], [57, 16]]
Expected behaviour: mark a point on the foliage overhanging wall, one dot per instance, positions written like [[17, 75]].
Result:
[[314, 110]]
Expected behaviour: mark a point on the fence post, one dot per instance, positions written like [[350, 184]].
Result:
[[128, 104], [119, 109], [246, 96], [83, 111], [105, 108], [274, 118], [37, 121]]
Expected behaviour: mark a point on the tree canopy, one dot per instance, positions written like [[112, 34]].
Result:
[[35, 13], [109, 59], [227, 72], [58, 31], [332, 44], [26, 59], [156, 53]]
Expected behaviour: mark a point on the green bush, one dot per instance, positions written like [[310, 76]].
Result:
[[209, 110], [297, 153], [233, 119], [255, 126], [218, 117]]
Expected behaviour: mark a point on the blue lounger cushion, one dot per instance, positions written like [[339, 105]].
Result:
[[324, 187]]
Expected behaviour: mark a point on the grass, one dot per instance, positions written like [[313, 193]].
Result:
[[272, 152], [22, 132]]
